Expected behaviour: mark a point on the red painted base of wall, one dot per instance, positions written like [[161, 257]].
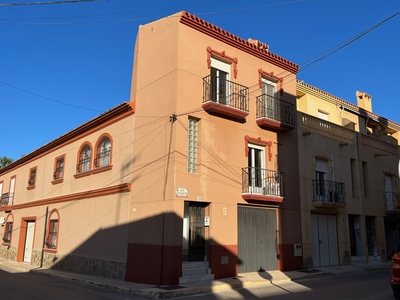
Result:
[[223, 260], [144, 264], [287, 261]]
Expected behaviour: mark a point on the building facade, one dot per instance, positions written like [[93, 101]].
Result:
[[349, 159], [208, 171], [66, 204]]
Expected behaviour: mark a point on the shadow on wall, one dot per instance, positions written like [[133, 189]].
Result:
[[153, 251]]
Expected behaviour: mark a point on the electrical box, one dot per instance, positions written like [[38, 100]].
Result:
[[298, 250]]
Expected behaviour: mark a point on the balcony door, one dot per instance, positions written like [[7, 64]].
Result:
[[270, 105], [12, 190], [321, 171], [390, 199], [256, 164], [220, 75]]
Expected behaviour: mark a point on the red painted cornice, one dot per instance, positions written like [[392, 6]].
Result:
[[110, 116], [235, 41]]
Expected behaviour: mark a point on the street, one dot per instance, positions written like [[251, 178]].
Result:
[[29, 286], [366, 285]]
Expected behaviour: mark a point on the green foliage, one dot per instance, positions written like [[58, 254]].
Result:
[[5, 161]]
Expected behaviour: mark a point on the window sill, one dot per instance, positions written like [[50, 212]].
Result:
[[49, 250], [82, 174], [57, 181], [7, 244], [30, 187], [101, 169]]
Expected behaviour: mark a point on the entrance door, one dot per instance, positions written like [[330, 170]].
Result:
[[325, 246], [30, 230], [257, 239], [194, 232], [355, 235]]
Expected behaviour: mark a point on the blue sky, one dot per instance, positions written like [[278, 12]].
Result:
[[81, 54]]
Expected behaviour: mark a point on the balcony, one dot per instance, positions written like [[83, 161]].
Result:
[[274, 113], [6, 199], [225, 98], [261, 185], [392, 201], [328, 194], [315, 125]]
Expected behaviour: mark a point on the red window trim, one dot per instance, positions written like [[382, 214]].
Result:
[[61, 179], [52, 212], [222, 56], [99, 140], [260, 142], [270, 76]]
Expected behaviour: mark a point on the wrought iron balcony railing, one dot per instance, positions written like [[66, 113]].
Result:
[[275, 109], [262, 182], [392, 200], [328, 192], [7, 199], [225, 92]]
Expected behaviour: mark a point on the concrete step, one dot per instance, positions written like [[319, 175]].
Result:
[[196, 278], [195, 271]]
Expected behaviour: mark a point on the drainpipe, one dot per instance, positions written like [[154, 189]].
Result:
[[44, 236]]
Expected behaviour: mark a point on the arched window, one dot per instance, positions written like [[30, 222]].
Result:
[[85, 156], [53, 229], [103, 152]]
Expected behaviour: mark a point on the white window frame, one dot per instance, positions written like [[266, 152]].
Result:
[[251, 185], [225, 67]]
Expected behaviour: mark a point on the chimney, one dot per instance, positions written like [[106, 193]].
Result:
[[364, 101]]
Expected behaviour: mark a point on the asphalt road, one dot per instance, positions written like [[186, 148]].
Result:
[[367, 285], [28, 286]]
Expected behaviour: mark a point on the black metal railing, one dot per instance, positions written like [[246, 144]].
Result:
[[51, 241], [6, 199], [262, 182], [103, 159], [276, 109], [83, 165], [326, 191], [392, 200], [225, 92]]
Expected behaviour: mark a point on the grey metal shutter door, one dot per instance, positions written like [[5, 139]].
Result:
[[257, 240]]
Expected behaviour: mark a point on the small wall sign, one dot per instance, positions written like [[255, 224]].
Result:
[[182, 192]]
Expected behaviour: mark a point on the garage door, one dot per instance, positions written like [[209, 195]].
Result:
[[257, 239]]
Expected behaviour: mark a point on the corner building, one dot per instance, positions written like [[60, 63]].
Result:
[[208, 192]]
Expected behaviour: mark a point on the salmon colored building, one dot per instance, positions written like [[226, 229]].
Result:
[[205, 173]]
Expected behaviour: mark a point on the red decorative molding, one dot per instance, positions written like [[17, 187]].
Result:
[[260, 142], [270, 76], [222, 56], [109, 117], [237, 42], [115, 189]]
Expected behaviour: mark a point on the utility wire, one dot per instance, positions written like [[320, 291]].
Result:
[[48, 98], [46, 2]]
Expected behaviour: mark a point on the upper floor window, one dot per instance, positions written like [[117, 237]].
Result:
[[323, 115], [103, 152], [53, 230], [85, 156], [59, 168], [32, 177], [220, 75]]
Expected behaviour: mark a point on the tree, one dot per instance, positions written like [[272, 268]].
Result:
[[5, 161]]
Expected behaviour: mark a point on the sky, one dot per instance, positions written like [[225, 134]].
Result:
[[63, 64]]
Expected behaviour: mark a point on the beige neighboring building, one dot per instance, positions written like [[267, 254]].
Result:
[[349, 179]]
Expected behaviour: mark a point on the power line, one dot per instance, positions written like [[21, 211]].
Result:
[[47, 2], [48, 98]]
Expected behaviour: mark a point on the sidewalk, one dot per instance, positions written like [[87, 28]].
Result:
[[244, 280]]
